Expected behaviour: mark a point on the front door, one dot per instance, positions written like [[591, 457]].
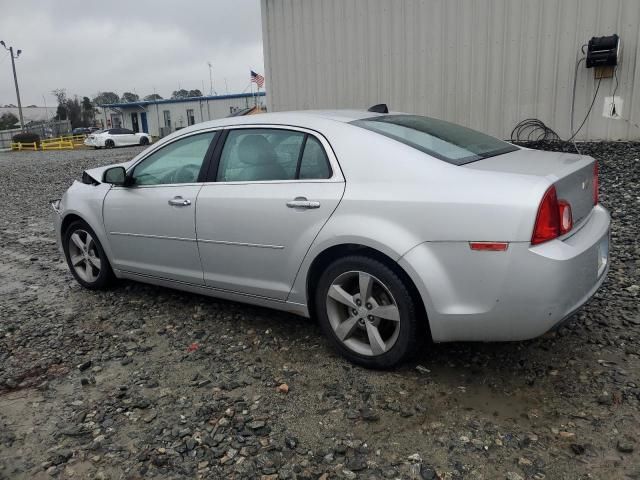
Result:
[[274, 190], [143, 120], [151, 224], [134, 122]]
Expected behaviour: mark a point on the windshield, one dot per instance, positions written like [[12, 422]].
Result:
[[446, 141]]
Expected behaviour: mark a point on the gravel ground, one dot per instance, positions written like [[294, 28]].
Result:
[[141, 381]]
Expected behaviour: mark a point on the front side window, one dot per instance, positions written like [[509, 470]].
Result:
[[178, 162], [446, 141], [260, 154]]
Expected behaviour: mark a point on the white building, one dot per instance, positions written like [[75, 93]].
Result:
[[31, 113], [486, 64], [161, 117]]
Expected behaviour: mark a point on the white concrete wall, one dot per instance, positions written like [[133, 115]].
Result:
[[486, 64]]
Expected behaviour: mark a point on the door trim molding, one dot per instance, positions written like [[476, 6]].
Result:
[[161, 237], [242, 244]]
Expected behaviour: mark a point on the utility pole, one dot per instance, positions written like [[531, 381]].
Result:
[[15, 78], [210, 78]]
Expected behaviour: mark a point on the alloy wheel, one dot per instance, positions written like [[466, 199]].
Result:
[[363, 313], [84, 256]]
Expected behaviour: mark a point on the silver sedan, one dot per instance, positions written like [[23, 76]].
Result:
[[389, 229]]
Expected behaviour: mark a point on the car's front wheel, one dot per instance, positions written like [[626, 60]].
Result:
[[367, 312], [109, 143], [85, 256], [144, 141]]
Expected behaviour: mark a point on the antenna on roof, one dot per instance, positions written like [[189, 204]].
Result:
[[380, 108]]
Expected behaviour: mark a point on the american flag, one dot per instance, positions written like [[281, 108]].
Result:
[[257, 79]]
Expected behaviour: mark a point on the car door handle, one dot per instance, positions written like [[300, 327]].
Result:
[[179, 202], [302, 202]]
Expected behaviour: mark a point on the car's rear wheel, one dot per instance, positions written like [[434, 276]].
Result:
[[367, 312], [144, 141], [85, 256], [109, 144]]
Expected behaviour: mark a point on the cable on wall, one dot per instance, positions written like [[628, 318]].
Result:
[[533, 129]]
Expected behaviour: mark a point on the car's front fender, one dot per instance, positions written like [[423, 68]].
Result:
[[85, 201]]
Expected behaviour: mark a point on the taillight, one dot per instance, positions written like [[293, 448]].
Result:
[[547, 226], [554, 218], [596, 182]]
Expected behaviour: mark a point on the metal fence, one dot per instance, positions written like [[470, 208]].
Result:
[[51, 129]]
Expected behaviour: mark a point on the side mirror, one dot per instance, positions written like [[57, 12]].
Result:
[[115, 176]]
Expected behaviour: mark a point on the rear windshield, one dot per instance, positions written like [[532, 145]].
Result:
[[446, 141]]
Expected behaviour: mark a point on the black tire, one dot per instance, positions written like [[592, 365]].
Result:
[[409, 334], [144, 141], [109, 143], [105, 275]]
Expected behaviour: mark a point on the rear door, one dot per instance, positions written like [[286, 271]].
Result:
[[129, 137], [270, 191]]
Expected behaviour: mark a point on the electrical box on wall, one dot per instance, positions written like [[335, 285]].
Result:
[[603, 51]]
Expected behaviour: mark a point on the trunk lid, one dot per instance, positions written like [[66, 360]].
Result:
[[572, 174]]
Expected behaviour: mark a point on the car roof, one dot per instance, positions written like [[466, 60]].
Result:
[[301, 118]]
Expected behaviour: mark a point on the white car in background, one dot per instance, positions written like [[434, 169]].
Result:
[[116, 137]]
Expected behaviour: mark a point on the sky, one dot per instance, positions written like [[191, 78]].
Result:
[[137, 46]]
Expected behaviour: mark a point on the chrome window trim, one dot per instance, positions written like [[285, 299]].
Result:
[[336, 171], [159, 146]]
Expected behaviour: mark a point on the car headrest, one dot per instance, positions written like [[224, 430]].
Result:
[[255, 150]]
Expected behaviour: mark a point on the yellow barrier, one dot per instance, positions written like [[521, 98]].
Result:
[[77, 139], [24, 146], [64, 142], [57, 144]]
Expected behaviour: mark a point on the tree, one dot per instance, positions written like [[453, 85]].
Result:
[[8, 120], [105, 98], [74, 112], [129, 97], [153, 96], [61, 112], [195, 93], [88, 112], [61, 96], [182, 93], [68, 108]]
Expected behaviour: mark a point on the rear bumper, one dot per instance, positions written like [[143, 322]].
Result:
[[513, 295]]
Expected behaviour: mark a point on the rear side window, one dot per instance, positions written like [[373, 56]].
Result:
[[447, 141], [314, 163], [261, 154]]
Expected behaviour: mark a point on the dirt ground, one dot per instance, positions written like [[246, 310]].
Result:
[[145, 382]]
